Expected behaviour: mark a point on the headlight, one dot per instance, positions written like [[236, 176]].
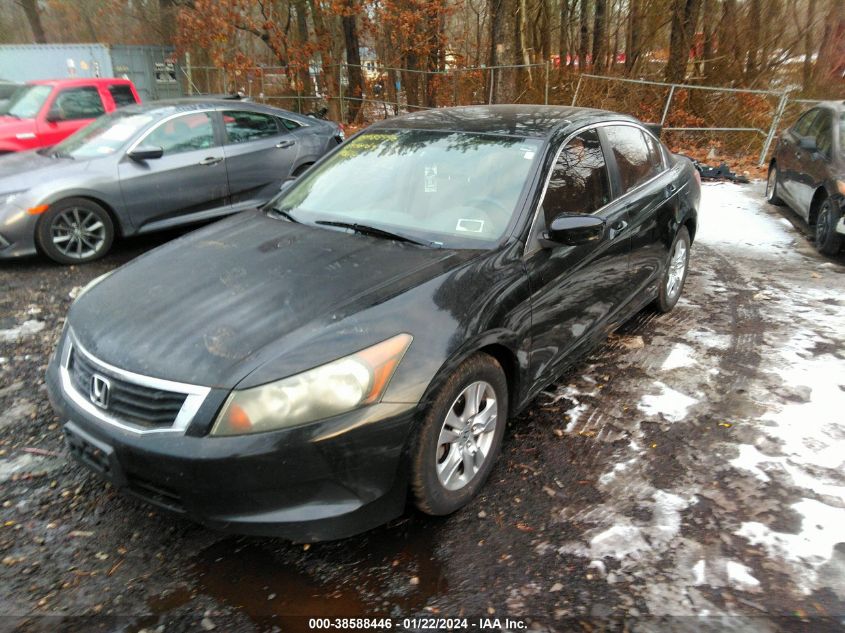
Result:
[[9, 198], [331, 389]]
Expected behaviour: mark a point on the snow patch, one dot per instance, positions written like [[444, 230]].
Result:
[[671, 403]]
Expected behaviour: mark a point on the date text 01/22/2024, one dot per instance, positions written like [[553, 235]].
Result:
[[417, 624]]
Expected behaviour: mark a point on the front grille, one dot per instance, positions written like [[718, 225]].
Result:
[[127, 401]]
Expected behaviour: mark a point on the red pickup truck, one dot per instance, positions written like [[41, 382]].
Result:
[[42, 113]]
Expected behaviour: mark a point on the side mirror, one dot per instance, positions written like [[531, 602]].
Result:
[[146, 152], [807, 143], [573, 230], [53, 116]]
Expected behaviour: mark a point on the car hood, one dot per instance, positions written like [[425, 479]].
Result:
[[212, 306], [24, 170], [9, 126]]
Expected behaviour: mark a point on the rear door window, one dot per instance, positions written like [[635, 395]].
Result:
[[243, 126], [802, 127], [579, 182], [634, 158], [122, 95], [183, 134], [78, 103], [822, 131]]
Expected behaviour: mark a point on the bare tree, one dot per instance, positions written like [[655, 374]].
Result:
[[33, 16]]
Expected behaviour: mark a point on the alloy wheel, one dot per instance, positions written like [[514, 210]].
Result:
[[78, 233], [822, 227], [771, 183], [466, 435], [677, 268]]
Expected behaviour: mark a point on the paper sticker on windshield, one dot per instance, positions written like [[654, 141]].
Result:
[[528, 155], [470, 226], [431, 178]]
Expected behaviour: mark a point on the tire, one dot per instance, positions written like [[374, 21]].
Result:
[[772, 187], [828, 241], [435, 491], [301, 170], [672, 282], [75, 231]]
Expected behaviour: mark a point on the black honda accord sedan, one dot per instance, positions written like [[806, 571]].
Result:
[[301, 370]]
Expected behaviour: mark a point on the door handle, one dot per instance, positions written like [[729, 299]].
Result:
[[211, 160], [285, 144]]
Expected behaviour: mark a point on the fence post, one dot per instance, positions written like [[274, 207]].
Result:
[[340, 91], [774, 127], [666, 107], [577, 90], [546, 98]]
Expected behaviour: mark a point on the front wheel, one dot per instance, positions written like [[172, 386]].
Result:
[[75, 231], [459, 439], [772, 196], [676, 272], [828, 241]]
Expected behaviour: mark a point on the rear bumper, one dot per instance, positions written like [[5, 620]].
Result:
[[323, 481]]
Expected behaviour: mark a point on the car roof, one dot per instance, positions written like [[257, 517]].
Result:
[[79, 81], [538, 121], [189, 104]]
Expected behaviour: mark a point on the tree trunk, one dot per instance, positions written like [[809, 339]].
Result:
[[633, 36], [807, 71], [599, 23], [684, 18], [353, 62], [584, 37], [830, 63], [329, 77], [33, 15], [708, 49], [504, 32], [564, 42], [754, 17], [304, 74]]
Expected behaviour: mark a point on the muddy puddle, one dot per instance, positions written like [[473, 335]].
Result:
[[391, 571]]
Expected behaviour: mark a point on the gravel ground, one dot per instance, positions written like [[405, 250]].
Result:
[[693, 466]]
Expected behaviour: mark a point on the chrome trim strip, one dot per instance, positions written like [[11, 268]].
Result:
[[539, 208], [195, 395]]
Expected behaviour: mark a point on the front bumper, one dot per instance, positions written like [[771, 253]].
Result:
[[17, 232], [322, 481]]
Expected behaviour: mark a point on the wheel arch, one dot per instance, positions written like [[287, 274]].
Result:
[[502, 348], [819, 196]]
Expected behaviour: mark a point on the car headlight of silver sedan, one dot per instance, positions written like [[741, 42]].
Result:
[[10, 197], [336, 387]]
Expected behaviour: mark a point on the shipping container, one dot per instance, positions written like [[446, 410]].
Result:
[[153, 69]]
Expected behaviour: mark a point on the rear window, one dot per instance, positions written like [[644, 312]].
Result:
[[122, 95], [291, 125]]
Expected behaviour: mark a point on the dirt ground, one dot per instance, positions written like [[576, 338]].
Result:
[[693, 466]]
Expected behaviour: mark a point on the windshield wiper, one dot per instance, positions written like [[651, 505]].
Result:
[[62, 155], [282, 213], [373, 231]]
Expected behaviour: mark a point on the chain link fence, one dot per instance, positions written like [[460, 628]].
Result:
[[739, 121]]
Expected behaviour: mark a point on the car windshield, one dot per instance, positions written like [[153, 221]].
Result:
[[451, 188], [26, 101], [104, 136]]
